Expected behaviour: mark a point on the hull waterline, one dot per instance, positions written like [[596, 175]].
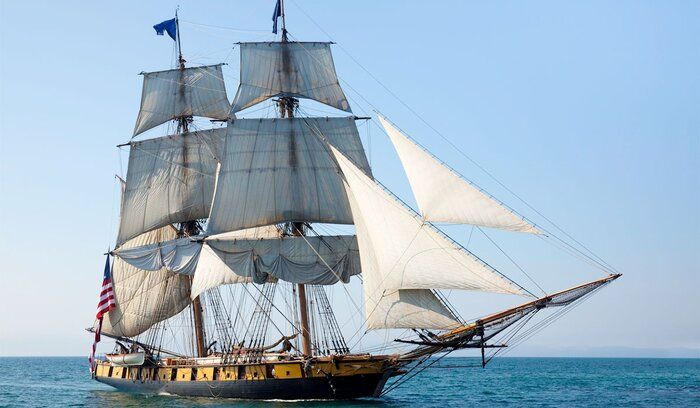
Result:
[[349, 387]]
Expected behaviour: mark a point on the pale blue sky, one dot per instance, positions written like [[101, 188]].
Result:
[[588, 110]]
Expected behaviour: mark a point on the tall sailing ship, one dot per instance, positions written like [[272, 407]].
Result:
[[219, 282]]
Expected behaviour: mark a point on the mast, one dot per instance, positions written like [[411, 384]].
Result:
[[182, 121], [180, 60], [303, 308], [189, 228], [286, 106], [284, 22]]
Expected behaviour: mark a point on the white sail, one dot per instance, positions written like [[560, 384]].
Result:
[[167, 95], [408, 309], [266, 231], [182, 255], [310, 260], [297, 69], [144, 298], [400, 251], [177, 255], [391, 308], [445, 196], [169, 179], [278, 170], [212, 271]]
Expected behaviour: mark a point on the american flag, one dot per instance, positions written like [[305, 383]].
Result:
[[105, 304]]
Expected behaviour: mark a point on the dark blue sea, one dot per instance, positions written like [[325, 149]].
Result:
[[518, 382]]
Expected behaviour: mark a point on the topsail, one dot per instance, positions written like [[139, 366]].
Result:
[[169, 179], [279, 170], [175, 93], [294, 69]]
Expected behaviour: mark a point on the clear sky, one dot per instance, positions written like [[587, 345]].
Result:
[[589, 110]]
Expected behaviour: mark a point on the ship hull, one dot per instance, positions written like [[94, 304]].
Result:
[[346, 387], [337, 377]]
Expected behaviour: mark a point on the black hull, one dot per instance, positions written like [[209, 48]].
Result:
[[345, 387]]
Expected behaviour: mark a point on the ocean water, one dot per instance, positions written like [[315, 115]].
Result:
[[455, 382]]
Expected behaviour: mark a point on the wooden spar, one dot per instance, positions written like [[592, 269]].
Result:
[[189, 227], [304, 320], [286, 106], [284, 22], [297, 230], [463, 337], [536, 302], [138, 343], [199, 327], [180, 60]]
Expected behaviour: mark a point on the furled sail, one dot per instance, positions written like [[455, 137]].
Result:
[[266, 231], [145, 298], [406, 252], [445, 196], [219, 260], [170, 179], [278, 170], [177, 255], [313, 260], [297, 69], [211, 269], [167, 95]]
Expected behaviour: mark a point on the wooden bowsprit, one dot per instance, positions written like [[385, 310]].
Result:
[[478, 333]]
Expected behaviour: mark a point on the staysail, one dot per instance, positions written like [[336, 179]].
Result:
[[278, 170], [169, 179], [195, 91], [408, 253], [296, 69], [145, 298], [399, 251], [407, 309], [445, 196]]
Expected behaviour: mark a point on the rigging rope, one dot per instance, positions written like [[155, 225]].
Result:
[[511, 259], [590, 254], [402, 380]]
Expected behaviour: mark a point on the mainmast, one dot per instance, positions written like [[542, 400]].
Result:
[[192, 227], [303, 307], [286, 106]]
